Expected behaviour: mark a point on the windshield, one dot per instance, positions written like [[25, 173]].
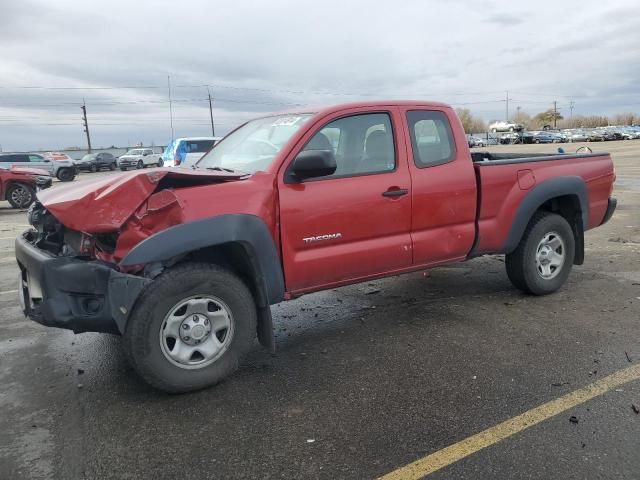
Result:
[[134, 152], [253, 146], [90, 156]]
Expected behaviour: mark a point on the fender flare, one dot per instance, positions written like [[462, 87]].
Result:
[[248, 230], [555, 187]]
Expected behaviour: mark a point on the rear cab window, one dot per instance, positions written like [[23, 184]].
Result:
[[432, 140]]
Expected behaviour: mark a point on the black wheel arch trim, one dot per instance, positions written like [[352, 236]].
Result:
[[248, 230], [553, 188]]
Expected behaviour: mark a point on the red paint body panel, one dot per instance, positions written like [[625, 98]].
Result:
[[443, 202], [502, 195], [375, 230], [448, 208], [104, 204]]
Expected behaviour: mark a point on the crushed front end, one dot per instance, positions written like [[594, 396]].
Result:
[[62, 284]]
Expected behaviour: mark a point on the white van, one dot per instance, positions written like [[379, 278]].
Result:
[[184, 152]]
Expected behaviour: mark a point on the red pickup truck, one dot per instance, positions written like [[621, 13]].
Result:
[[185, 263]]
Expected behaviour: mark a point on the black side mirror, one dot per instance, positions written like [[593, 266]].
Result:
[[314, 163]]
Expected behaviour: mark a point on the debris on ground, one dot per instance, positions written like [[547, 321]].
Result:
[[573, 419], [559, 384], [311, 440], [628, 357], [635, 408], [80, 371], [618, 240], [371, 292]]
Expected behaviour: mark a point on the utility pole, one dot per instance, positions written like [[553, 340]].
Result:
[[572, 104], [555, 113], [86, 125], [213, 130], [170, 105], [507, 107]]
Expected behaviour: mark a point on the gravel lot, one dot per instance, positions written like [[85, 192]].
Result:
[[366, 378]]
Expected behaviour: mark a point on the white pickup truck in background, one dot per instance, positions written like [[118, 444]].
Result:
[[139, 158]]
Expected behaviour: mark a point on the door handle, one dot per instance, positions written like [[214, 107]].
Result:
[[395, 192]]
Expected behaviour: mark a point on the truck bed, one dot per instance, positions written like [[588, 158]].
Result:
[[504, 158], [504, 180]]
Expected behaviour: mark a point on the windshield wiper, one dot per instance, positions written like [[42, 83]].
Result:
[[221, 169]]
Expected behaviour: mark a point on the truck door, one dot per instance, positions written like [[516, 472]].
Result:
[[443, 187], [356, 222]]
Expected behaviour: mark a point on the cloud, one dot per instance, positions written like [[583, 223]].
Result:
[[269, 56], [506, 19]]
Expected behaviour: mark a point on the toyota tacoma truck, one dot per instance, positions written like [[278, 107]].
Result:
[[185, 263]]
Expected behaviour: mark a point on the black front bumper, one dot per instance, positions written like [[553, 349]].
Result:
[[74, 293], [611, 207]]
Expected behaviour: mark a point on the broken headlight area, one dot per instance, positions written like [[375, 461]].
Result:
[[50, 235]]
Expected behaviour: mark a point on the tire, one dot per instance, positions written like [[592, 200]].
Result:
[[20, 195], [94, 168], [160, 163], [112, 166], [139, 165], [522, 264], [536, 141], [66, 174], [145, 340]]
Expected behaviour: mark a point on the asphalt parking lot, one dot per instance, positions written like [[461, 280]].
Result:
[[366, 379]]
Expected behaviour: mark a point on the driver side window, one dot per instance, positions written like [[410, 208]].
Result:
[[362, 144]]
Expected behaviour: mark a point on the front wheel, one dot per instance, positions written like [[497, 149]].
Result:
[[543, 259], [161, 163], [20, 195], [94, 168], [190, 329], [139, 165], [112, 166]]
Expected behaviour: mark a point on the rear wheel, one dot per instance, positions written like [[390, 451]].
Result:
[[190, 329], [66, 174], [160, 163], [20, 195], [542, 261]]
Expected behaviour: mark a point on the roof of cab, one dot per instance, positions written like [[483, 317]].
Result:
[[325, 109]]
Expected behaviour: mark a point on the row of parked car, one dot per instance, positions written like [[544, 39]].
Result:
[[22, 174], [600, 134]]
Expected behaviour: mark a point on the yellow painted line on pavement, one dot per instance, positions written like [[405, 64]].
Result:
[[453, 453]]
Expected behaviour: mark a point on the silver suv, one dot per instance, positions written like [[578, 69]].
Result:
[[63, 170]]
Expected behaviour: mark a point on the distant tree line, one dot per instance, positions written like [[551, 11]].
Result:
[[474, 124]]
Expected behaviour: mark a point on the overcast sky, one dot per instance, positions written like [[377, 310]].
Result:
[[261, 56]]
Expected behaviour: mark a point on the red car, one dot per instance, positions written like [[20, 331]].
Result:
[[184, 264], [18, 185]]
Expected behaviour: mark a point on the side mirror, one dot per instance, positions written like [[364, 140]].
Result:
[[314, 163]]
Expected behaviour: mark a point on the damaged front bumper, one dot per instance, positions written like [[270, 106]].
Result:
[[72, 292]]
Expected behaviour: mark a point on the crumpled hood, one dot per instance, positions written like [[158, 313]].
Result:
[[104, 204]]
